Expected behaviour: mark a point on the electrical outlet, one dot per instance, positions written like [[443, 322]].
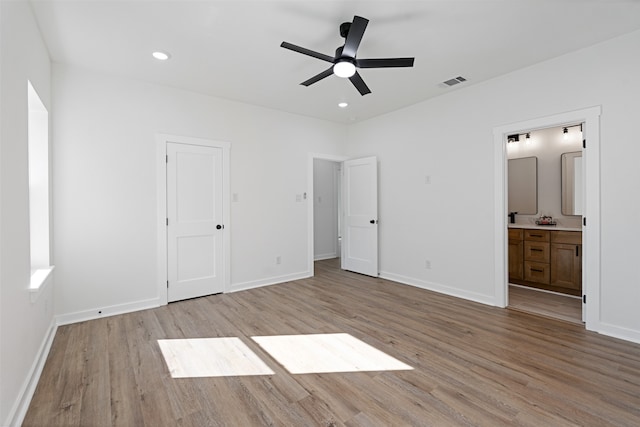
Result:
[[278, 260], [427, 264]]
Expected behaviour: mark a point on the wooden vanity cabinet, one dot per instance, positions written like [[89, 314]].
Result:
[[547, 259], [566, 258], [516, 245], [536, 256]]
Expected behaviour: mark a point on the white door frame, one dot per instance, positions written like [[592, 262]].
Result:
[[161, 218], [310, 196], [591, 232]]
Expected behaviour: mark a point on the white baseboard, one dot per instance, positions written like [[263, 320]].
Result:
[[21, 405], [113, 310], [436, 287], [618, 332], [320, 257], [269, 281]]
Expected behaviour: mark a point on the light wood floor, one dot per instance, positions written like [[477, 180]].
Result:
[[473, 364], [553, 305]]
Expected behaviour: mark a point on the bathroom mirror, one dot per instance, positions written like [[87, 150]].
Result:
[[571, 183], [523, 185]]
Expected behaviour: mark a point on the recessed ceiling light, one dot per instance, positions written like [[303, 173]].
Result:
[[343, 105], [161, 56]]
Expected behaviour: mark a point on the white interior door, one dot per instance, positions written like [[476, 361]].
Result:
[[580, 200], [360, 207], [194, 221]]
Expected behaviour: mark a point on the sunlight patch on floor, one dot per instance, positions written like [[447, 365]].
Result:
[[211, 357], [324, 353]]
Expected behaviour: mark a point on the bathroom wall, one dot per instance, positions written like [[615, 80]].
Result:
[[548, 145]]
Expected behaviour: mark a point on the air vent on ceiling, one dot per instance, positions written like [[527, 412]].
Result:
[[454, 81]]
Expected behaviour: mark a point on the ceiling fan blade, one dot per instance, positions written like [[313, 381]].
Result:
[[318, 77], [384, 62], [305, 51], [356, 31], [360, 84]]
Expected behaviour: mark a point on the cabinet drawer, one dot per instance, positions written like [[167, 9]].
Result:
[[536, 235], [536, 272], [515, 234], [536, 251], [568, 237]]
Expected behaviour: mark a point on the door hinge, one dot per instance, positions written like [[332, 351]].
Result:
[[167, 158], [584, 143], [167, 284], [584, 299], [167, 221], [584, 221]]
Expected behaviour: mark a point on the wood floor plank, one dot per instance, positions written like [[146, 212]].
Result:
[[473, 364]]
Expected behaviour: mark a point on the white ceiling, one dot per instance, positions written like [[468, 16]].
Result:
[[231, 49]]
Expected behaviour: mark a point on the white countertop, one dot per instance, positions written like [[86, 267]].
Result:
[[544, 227]]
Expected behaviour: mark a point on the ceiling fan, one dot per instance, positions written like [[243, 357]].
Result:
[[345, 61]]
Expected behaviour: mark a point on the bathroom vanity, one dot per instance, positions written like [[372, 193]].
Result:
[[546, 257]]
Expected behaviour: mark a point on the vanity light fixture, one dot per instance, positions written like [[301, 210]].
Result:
[[513, 138], [527, 138], [565, 131]]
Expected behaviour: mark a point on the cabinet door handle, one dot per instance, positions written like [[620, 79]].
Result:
[[535, 235], [577, 250], [537, 271], [537, 250]]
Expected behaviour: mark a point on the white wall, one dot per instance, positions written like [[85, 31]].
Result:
[[326, 181], [105, 188], [24, 326], [548, 145], [449, 138]]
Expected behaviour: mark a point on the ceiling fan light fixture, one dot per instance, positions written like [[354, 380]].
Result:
[[344, 69], [343, 104]]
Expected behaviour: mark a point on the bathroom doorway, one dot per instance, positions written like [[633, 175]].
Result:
[[590, 242], [545, 221]]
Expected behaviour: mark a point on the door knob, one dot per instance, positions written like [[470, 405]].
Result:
[[373, 221], [219, 227]]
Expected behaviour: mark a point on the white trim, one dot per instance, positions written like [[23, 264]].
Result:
[[112, 310], [161, 206], [21, 404], [619, 332], [310, 247], [591, 233], [269, 281], [437, 287], [322, 257]]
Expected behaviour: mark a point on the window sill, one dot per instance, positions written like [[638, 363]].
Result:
[[40, 280]]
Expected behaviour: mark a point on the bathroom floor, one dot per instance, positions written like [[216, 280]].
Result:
[[544, 303]]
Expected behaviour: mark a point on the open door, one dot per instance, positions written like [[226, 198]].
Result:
[[360, 207]]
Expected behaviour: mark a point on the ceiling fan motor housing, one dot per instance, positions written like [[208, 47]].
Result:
[[344, 29]]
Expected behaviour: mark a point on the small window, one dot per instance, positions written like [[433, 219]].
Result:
[[38, 147]]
